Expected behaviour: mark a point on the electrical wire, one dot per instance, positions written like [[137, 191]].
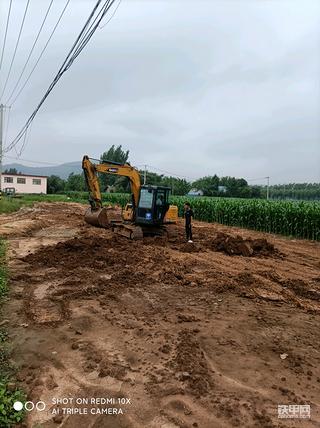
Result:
[[31, 161], [83, 38], [16, 48], [256, 179], [77, 40], [114, 12], [41, 53], [7, 125], [25, 140], [31, 51], [171, 173], [5, 34]]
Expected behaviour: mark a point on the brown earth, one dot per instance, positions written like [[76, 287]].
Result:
[[217, 333]]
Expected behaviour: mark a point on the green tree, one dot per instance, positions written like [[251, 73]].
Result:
[[12, 171], [255, 191], [76, 182], [114, 154], [55, 184], [152, 178], [209, 185], [236, 187], [179, 186]]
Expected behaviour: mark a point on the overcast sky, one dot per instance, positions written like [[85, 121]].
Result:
[[190, 87]]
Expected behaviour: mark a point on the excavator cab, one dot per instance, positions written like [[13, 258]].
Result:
[[153, 205]]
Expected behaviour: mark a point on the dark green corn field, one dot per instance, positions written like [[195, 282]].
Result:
[[299, 219]]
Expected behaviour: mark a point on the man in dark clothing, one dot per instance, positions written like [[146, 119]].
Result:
[[188, 214]]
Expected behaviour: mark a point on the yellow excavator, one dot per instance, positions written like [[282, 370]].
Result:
[[149, 213]]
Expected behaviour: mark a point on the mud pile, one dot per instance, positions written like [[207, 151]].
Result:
[[85, 252], [190, 365], [236, 245]]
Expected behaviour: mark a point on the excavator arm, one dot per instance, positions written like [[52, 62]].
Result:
[[107, 167], [149, 212]]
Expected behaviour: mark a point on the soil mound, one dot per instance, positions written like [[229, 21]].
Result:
[[188, 247], [86, 252], [190, 365], [236, 245]]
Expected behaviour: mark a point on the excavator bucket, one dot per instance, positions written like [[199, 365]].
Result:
[[103, 217]]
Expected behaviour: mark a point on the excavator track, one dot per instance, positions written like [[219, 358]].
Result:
[[128, 230]]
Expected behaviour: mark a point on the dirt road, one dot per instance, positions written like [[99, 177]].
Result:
[[186, 335]]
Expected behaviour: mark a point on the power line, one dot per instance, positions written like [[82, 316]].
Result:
[[25, 140], [7, 125], [16, 48], [256, 179], [5, 34], [31, 51], [83, 38], [114, 12], [31, 161], [41, 53], [171, 173]]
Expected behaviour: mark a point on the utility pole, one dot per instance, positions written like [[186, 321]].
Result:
[[1, 141], [145, 175], [268, 184]]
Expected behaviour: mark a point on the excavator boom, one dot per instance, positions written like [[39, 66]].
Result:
[[107, 167]]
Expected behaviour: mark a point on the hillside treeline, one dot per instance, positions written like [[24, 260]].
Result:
[[208, 185]]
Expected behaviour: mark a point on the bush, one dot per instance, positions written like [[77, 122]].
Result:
[[8, 416]]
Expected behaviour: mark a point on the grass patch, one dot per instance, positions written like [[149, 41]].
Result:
[[9, 393], [46, 198], [9, 205]]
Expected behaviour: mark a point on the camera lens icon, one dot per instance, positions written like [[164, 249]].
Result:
[[29, 406], [17, 405]]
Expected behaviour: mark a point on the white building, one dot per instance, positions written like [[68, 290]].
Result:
[[24, 183], [222, 189], [195, 192]]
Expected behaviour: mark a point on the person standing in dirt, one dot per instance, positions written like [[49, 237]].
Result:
[[188, 214]]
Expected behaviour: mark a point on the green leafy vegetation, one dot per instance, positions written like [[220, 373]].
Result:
[[3, 335], [8, 396], [3, 270], [292, 218], [299, 191], [9, 205], [9, 393]]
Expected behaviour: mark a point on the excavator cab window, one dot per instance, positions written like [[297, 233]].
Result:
[[153, 205]]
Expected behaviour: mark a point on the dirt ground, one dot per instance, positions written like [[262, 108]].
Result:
[[185, 335]]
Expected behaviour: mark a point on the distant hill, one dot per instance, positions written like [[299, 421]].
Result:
[[62, 170]]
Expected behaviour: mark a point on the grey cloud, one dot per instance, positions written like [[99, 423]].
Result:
[[227, 87]]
